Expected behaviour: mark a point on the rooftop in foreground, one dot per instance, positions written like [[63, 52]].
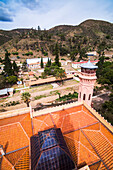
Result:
[[88, 136]]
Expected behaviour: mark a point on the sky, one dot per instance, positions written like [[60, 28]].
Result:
[[50, 13]]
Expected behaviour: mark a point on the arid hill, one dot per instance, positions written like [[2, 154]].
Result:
[[89, 35]]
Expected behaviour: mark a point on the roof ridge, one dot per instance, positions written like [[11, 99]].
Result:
[[8, 161], [71, 138], [94, 149], [23, 118], [21, 156], [88, 149], [9, 124], [24, 131], [106, 138], [91, 130], [89, 115]]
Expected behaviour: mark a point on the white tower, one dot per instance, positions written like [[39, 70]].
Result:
[[87, 80]]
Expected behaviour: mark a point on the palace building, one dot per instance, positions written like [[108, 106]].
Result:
[[66, 137]]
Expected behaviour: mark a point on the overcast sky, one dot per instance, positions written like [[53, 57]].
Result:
[[50, 13]]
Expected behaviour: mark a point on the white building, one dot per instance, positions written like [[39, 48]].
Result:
[[35, 62], [92, 53]]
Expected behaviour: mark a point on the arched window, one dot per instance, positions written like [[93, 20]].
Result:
[[89, 97], [84, 96], [80, 95]]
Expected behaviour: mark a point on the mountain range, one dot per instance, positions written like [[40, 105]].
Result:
[[87, 36]]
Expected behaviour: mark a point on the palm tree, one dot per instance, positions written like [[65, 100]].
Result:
[[26, 98], [60, 74]]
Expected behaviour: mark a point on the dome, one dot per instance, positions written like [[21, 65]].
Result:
[[89, 65]]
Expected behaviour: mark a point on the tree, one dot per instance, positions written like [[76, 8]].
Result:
[[39, 28], [15, 68], [41, 64], [11, 79], [26, 98], [8, 66], [57, 55], [2, 81], [48, 63], [60, 74], [24, 66]]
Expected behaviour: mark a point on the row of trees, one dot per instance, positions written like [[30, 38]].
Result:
[[9, 75], [55, 67]]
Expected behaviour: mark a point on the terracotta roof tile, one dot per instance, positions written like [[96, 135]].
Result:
[[15, 156], [26, 123], [85, 155], [41, 123], [87, 111], [80, 148], [12, 119], [73, 148], [102, 146], [95, 166], [102, 167], [107, 133], [85, 142], [23, 162], [5, 164], [74, 135], [95, 126], [12, 137], [74, 120], [90, 143]]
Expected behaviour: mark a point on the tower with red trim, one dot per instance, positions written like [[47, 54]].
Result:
[[87, 78]]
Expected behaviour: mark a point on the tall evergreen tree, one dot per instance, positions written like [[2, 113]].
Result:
[[50, 62], [41, 64], [15, 68], [57, 55], [8, 66]]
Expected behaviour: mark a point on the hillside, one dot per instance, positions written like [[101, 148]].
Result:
[[89, 35]]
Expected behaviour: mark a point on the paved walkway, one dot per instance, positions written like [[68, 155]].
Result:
[[45, 92]]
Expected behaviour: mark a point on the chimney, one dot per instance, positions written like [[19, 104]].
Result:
[[2, 150]]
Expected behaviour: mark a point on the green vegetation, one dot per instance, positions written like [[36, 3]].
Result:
[[105, 73], [67, 97], [9, 76], [8, 70], [26, 98], [13, 103], [39, 97], [29, 53], [60, 74], [105, 77], [42, 64], [57, 63], [24, 66], [106, 109], [15, 53]]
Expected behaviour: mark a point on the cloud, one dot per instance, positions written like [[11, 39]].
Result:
[[5, 14], [47, 13]]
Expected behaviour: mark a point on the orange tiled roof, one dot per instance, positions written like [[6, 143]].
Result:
[[5, 164], [14, 136], [87, 138]]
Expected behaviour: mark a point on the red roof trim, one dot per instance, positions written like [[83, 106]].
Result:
[[85, 62]]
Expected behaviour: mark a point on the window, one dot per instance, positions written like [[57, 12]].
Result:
[[80, 95], [89, 97], [84, 96]]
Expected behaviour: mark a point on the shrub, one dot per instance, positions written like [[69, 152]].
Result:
[[18, 57], [15, 53]]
